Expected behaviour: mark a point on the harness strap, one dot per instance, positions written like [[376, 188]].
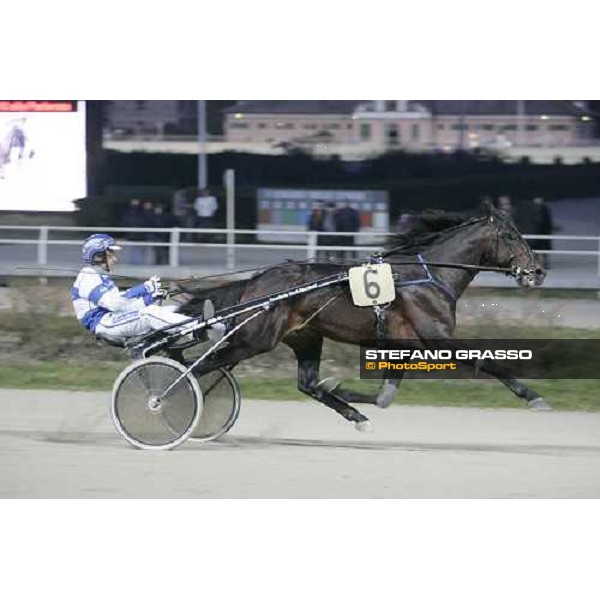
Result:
[[429, 279], [309, 319], [379, 311]]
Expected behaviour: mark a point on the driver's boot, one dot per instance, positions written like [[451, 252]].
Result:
[[217, 331]]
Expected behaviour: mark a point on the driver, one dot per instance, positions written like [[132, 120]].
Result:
[[109, 313]]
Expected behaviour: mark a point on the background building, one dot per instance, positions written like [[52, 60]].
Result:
[[161, 117], [540, 130], [380, 125]]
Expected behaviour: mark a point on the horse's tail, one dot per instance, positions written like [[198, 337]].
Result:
[[194, 295]]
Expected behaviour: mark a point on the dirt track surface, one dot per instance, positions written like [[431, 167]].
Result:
[[63, 445]]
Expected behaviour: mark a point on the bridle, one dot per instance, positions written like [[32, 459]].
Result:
[[523, 275], [520, 273]]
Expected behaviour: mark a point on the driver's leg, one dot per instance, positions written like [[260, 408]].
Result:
[[120, 326], [159, 317]]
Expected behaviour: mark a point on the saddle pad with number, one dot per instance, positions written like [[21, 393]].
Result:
[[372, 285]]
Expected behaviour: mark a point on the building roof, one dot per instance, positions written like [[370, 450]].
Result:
[[438, 107], [313, 107], [503, 107]]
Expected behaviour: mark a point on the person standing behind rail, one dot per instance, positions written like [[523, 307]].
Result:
[[542, 225], [161, 220], [205, 206], [347, 220], [316, 222], [180, 207], [148, 221], [329, 225], [134, 219]]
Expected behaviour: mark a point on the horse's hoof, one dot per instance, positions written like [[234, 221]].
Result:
[[387, 394], [539, 404], [329, 384], [364, 426]]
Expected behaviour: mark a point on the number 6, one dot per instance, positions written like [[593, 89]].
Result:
[[372, 288]]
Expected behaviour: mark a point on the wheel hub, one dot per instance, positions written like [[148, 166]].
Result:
[[154, 404]]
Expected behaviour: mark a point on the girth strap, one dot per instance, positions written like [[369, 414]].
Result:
[[428, 279]]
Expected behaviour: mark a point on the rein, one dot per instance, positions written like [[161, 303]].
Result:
[[467, 267]]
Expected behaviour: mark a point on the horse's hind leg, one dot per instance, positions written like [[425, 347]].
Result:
[[533, 399], [307, 348]]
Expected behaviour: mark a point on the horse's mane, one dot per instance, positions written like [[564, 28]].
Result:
[[428, 228]]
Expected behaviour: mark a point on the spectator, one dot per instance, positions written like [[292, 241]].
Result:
[[162, 220], [147, 221], [182, 207], [404, 223], [542, 225], [347, 220], [316, 223], [134, 219], [205, 206], [329, 225], [505, 206]]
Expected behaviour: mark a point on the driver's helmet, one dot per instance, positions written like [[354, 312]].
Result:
[[97, 244]]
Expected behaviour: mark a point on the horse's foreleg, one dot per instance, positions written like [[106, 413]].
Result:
[[308, 354], [385, 396], [389, 389]]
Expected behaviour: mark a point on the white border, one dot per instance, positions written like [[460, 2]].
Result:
[[299, 549]]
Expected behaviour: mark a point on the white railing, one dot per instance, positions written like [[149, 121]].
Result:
[[308, 241]]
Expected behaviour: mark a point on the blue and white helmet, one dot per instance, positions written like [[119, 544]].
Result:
[[97, 243]]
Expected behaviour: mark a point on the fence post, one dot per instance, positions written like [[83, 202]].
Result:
[[42, 253], [174, 247], [229, 180], [311, 252]]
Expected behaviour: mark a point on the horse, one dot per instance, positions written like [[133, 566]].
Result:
[[424, 308]]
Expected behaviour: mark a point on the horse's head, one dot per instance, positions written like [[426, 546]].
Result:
[[510, 250]]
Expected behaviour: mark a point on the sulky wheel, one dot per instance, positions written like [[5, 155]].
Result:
[[221, 409], [147, 417]]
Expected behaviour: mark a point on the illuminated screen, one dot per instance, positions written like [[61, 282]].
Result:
[[42, 154]]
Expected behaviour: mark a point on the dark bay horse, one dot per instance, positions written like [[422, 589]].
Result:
[[424, 308]]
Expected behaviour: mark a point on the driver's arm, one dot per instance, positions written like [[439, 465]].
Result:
[[112, 300]]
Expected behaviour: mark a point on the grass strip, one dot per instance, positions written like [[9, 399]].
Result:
[[568, 394]]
